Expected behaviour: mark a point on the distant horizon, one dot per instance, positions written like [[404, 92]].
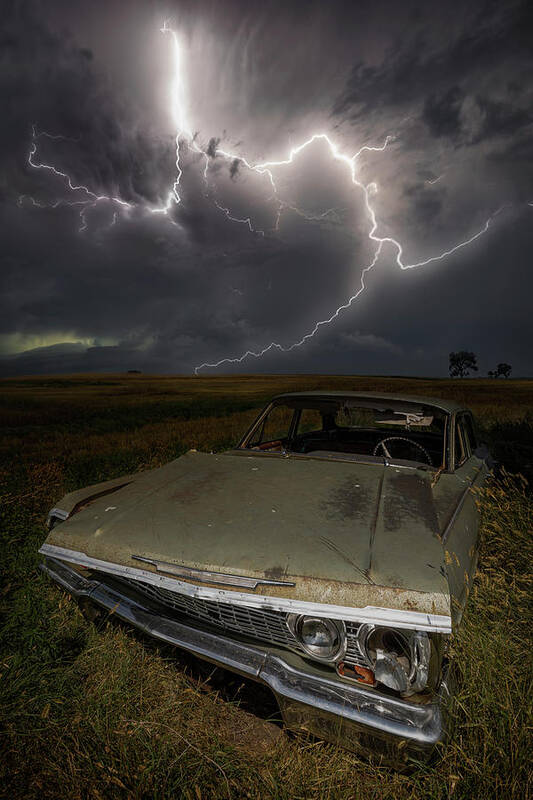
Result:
[[133, 373]]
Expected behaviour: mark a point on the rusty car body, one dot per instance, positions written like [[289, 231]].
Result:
[[328, 555]]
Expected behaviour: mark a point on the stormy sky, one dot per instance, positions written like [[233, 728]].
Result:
[[101, 279]]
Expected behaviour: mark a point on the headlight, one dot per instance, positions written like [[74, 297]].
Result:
[[323, 639], [400, 659]]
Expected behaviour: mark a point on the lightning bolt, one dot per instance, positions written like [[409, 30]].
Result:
[[246, 221], [178, 105], [287, 349], [368, 190], [184, 134], [91, 198]]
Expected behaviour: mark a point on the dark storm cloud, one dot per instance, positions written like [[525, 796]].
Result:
[[495, 37], [167, 292], [442, 113], [500, 119], [425, 200], [211, 148], [234, 168]]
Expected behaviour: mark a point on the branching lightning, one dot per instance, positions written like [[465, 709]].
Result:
[[367, 191], [86, 198], [179, 115], [91, 198]]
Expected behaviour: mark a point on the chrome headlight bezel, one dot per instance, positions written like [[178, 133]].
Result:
[[400, 658], [335, 628]]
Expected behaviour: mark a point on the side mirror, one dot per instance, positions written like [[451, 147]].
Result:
[[483, 452]]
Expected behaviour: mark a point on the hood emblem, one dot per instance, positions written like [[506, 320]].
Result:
[[205, 576]]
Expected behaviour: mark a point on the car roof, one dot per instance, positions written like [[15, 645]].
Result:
[[444, 405]]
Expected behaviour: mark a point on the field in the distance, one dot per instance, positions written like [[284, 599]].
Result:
[[88, 713]]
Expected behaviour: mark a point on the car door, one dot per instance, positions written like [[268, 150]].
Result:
[[461, 535]]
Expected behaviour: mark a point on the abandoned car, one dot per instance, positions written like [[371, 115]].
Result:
[[328, 555]]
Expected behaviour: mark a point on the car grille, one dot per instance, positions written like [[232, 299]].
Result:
[[256, 623], [354, 653], [268, 626]]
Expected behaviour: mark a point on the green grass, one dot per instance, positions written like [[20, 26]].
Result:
[[87, 713]]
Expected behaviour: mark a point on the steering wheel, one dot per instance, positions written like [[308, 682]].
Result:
[[383, 445]]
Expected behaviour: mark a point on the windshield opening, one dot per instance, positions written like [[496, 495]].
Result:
[[347, 428]]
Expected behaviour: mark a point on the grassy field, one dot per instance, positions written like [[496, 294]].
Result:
[[87, 713]]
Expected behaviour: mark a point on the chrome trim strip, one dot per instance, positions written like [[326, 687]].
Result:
[[205, 576], [414, 620], [420, 725], [59, 513]]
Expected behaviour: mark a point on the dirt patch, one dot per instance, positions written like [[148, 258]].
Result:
[[248, 734]]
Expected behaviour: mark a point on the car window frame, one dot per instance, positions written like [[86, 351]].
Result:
[[259, 425], [460, 434], [471, 429], [295, 430]]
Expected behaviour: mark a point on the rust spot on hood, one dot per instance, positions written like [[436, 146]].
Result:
[[275, 573], [350, 500], [188, 490], [408, 499]]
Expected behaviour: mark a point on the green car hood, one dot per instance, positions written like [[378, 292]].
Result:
[[344, 533]]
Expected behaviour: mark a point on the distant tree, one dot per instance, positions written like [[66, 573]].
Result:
[[503, 369], [492, 373], [461, 363]]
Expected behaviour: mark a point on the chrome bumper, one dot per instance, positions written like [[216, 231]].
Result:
[[356, 718]]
